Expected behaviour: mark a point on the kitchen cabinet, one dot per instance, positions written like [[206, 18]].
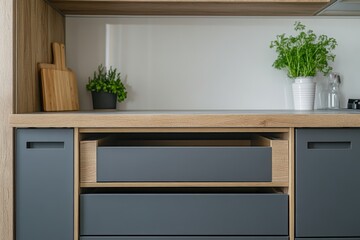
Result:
[[224, 185], [263, 201], [44, 184], [327, 179], [238, 206], [37, 24]]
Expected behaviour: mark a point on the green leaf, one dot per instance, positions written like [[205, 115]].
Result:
[[304, 54]]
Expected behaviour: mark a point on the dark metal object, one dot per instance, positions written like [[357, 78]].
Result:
[[104, 100], [353, 104]]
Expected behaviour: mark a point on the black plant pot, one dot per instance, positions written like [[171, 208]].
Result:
[[103, 100]]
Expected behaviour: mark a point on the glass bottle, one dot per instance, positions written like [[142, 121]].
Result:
[[333, 95]]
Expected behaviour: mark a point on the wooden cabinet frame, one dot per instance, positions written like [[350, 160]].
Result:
[[6, 132], [192, 7], [29, 27]]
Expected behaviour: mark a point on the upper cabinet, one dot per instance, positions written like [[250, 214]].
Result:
[[192, 7], [343, 8]]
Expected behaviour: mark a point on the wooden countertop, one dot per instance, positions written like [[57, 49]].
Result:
[[189, 119]]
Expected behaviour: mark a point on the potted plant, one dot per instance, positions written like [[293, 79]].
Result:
[[303, 56], [106, 87]]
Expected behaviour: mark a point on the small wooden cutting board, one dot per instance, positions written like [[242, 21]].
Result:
[[59, 86]]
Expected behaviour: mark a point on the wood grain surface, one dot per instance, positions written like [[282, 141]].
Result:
[[176, 129], [6, 132], [37, 25], [192, 7], [280, 157], [59, 85], [123, 119], [88, 151], [76, 185]]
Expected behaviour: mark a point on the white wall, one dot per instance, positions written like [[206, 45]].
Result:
[[185, 63]]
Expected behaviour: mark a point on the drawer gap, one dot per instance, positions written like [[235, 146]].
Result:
[[243, 190]]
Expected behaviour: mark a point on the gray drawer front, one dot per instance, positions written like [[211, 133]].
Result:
[[185, 238], [183, 214], [184, 164], [44, 184], [323, 238], [327, 182]]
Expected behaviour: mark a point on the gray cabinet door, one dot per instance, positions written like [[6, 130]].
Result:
[[44, 184], [327, 182]]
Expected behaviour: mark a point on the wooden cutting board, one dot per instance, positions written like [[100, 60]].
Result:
[[59, 86]]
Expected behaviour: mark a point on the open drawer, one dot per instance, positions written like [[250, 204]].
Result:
[[184, 214], [188, 158]]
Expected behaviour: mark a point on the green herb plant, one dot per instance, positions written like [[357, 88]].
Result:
[[305, 54], [107, 81]]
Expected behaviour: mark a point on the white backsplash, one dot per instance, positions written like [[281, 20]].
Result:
[[192, 63]]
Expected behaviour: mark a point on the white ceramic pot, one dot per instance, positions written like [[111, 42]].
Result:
[[303, 93]]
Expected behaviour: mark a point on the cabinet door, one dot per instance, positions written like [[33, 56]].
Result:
[[327, 182], [44, 184]]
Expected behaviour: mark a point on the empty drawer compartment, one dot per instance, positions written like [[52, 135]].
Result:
[[184, 214], [184, 161]]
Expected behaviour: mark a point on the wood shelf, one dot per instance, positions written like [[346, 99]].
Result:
[[181, 184], [191, 7], [182, 130], [206, 120]]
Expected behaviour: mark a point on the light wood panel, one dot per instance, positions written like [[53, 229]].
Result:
[[59, 90], [192, 7], [76, 185], [6, 134], [88, 160], [189, 120], [184, 184], [280, 157], [180, 130], [291, 190], [58, 83], [37, 25]]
